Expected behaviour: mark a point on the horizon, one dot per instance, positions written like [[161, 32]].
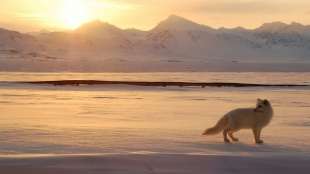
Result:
[[58, 15], [155, 24]]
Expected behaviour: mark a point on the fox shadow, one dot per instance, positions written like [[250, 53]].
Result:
[[243, 147]]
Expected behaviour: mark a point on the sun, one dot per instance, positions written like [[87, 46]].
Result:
[[73, 13]]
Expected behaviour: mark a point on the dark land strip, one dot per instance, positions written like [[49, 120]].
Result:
[[163, 84]]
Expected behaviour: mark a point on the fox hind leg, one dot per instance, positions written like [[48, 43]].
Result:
[[230, 134], [226, 140]]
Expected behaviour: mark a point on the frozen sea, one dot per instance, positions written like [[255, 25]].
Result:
[[39, 120]]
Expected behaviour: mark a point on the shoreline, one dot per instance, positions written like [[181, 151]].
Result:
[[158, 83]]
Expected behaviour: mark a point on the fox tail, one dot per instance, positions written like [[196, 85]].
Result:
[[220, 125]]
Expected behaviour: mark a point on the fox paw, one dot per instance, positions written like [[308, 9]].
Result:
[[235, 139], [259, 142], [226, 141]]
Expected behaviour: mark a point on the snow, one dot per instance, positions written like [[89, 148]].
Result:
[[117, 119], [154, 163], [123, 129]]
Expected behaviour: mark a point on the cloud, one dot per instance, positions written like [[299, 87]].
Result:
[[223, 6], [241, 7], [29, 16]]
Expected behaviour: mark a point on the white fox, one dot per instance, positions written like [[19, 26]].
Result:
[[244, 118]]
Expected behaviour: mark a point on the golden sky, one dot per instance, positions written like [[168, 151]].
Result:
[[33, 15]]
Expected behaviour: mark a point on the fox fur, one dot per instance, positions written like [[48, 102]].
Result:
[[244, 118]]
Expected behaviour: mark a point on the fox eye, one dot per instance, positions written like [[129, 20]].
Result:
[[265, 102]]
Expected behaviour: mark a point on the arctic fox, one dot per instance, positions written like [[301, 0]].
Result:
[[244, 118]]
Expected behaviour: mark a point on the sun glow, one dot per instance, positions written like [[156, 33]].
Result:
[[73, 13]]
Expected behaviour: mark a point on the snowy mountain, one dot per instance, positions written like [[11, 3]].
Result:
[[12, 40], [175, 44], [174, 22]]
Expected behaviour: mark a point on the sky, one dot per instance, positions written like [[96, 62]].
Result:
[[35, 15]]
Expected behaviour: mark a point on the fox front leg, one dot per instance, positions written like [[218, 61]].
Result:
[[256, 132]]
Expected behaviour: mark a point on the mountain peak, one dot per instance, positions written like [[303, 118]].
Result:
[[297, 24], [272, 26], [174, 17], [275, 27], [97, 26], [174, 22]]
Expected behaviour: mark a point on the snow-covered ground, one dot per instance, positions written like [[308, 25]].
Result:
[[151, 128], [155, 164]]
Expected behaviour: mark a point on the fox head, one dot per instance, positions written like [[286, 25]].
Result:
[[262, 105]]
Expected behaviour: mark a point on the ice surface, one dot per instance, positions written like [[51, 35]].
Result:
[[123, 119]]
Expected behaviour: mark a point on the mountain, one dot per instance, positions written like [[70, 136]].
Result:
[[12, 40], [174, 22], [175, 44], [98, 28], [280, 27], [104, 35], [272, 27]]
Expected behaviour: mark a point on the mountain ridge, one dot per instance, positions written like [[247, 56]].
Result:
[[171, 17], [175, 40]]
